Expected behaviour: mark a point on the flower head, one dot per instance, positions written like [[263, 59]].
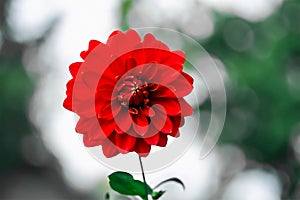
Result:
[[129, 93]]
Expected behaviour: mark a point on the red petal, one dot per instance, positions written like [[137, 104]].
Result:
[[180, 54], [148, 111], [70, 86], [182, 86], [153, 140], [91, 79], [153, 87], [174, 57], [107, 126], [165, 75], [171, 106], [116, 108], [140, 124], [149, 38], [83, 125], [84, 108], [153, 54], [149, 71], [117, 68], [163, 92], [107, 111], [152, 130], [182, 122], [108, 77], [123, 120], [130, 41], [158, 120], [188, 78], [96, 133], [68, 103], [151, 42], [162, 122], [83, 54], [186, 109], [132, 37], [139, 55], [74, 67], [88, 142], [130, 63], [168, 127], [125, 142], [122, 43], [98, 59], [141, 147], [177, 66], [118, 130], [81, 91], [113, 34], [163, 139], [104, 91], [109, 148], [176, 123], [92, 45]]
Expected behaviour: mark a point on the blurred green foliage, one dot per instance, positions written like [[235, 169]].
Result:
[[15, 89], [259, 94], [262, 60], [125, 8]]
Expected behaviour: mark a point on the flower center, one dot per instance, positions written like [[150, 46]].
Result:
[[133, 92]]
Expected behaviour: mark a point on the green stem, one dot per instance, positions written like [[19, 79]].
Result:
[[142, 168]]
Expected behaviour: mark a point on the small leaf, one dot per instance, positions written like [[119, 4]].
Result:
[[177, 180], [157, 195], [124, 183], [107, 196]]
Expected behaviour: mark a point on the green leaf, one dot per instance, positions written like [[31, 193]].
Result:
[[176, 180], [157, 195], [124, 183], [107, 196]]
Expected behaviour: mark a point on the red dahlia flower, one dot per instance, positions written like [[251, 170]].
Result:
[[128, 93]]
